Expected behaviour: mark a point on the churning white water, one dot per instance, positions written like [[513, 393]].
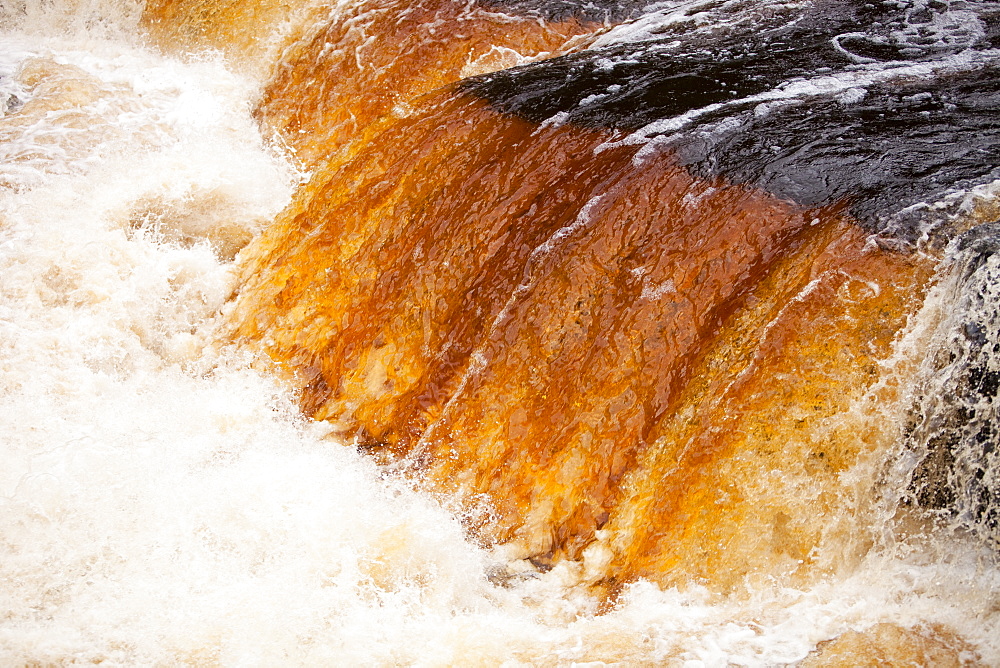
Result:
[[163, 503]]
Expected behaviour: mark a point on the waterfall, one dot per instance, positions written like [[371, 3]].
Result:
[[506, 332]]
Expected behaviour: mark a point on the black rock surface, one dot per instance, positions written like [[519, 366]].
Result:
[[766, 98]]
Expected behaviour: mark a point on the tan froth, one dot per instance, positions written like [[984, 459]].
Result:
[[892, 645]]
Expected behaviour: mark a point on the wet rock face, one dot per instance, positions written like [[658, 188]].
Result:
[[679, 66], [11, 96], [953, 424], [881, 105], [627, 86], [880, 147]]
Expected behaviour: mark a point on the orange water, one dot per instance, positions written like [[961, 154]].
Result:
[[630, 364]]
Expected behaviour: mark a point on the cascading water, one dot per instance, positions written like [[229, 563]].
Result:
[[602, 373]]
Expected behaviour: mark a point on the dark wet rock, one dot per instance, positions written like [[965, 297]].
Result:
[[12, 104], [628, 86], [9, 102], [684, 68], [953, 423], [598, 11], [878, 149], [770, 102]]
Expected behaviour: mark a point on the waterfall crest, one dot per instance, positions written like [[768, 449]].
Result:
[[499, 332]]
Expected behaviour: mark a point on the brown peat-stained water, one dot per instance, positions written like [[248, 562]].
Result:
[[499, 333]]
